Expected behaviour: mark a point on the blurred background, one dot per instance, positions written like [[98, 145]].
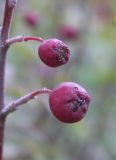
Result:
[[88, 27]]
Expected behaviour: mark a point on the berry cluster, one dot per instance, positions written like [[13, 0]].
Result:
[[69, 101]]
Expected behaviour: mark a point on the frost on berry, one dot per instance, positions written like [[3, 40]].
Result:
[[54, 52], [69, 102]]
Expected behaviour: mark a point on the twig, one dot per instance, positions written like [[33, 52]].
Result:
[[13, 106], [0, 28], [14, 40], [4, 33], [10, 4]]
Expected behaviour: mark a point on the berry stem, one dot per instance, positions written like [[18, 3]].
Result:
[[38, 39], [13, 106], [14, 40]]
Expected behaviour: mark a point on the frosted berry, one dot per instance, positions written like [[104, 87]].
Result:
[[69, 102], [31, 18], [54, 52]]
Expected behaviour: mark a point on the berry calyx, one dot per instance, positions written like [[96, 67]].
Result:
[[69, 102], [54, 52]]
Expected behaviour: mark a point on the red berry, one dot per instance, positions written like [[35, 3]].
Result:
[[68, 32], [54, 52], [31, 18], [69, 102]]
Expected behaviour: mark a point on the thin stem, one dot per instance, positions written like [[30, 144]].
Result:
[[2, 125], [12, 106], [3, 49], [2, 119], [0, 29], [2, 75], [22, 39], [33, 39], [10, 4], [4, 33]]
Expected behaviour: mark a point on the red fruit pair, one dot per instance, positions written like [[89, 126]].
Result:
[[69, 102]]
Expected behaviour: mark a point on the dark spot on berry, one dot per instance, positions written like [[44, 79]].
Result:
[[81, 102], [75, 104], [62, 51], [84, 110], [69, 102], [74, 107], [76, 88]]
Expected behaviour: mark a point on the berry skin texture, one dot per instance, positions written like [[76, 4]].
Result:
[[69, 102], [54, 52]]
